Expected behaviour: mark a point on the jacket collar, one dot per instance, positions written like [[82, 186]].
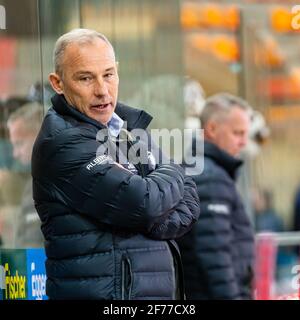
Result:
[[135, 118], [222, 158]]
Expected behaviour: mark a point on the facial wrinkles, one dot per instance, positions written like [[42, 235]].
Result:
[[81, 57], [90, 64]]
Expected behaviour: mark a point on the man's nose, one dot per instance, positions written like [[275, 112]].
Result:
[[100, 88]]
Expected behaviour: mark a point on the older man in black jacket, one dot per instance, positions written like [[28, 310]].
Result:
[[108, 220], [218, 253]]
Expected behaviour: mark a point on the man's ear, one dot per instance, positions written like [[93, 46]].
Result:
[[56, 83], [210, 129]]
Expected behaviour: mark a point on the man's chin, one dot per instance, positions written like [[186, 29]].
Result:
[[102, 120], [102, 116]]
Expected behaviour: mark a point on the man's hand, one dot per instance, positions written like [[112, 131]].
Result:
[[120, 166]]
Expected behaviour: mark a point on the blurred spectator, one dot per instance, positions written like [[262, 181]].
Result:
[[12, 172], [266, 217], [23, 126], [6, 108]]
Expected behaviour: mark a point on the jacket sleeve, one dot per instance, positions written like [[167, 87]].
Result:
[[181, 219], [108, 193], [213, 239]]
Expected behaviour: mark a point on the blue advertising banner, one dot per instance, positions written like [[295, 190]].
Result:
[[22, 274], [36, 274]]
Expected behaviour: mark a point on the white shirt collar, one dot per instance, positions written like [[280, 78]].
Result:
[[115, 125]]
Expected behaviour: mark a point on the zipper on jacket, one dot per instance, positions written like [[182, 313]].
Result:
[[126, 278], [178, 268]]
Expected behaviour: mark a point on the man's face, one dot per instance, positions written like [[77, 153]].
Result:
[[22, 140], [90, 79], [231, 133]]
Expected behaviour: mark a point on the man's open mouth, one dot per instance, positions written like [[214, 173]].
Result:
[[101, 106]]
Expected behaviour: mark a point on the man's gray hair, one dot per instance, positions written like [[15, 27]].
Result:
[[219, 105], [79, 36], [30, 113]]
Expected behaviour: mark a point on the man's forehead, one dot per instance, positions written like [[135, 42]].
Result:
[[237, 113], [98, 46], [89, 56], [232, 119]]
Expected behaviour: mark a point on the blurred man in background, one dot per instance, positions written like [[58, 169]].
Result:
[[23, 126], [218, 253]]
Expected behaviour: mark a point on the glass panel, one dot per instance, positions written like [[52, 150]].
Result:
[[20, 117], [147, 41], [56, 18], [271, 82]]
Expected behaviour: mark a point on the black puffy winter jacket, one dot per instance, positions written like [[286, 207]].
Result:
[[108, 232], [218, 253]]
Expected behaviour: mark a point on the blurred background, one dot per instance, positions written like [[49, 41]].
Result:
[[172, 54]]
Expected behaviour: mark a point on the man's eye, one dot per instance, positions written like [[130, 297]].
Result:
[[85, 79], [108, 75]]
